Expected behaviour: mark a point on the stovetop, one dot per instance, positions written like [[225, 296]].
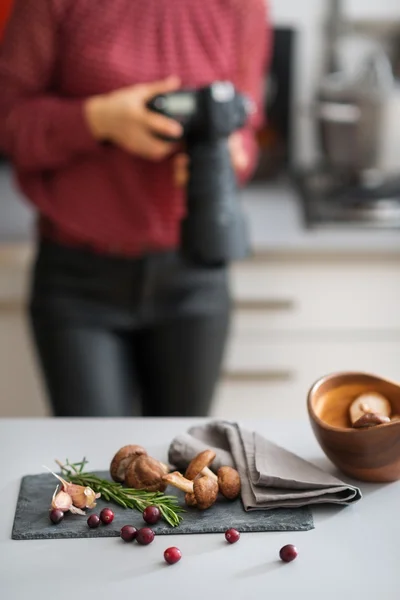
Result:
[[336, 199]]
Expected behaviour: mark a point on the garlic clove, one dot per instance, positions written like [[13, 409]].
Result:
[[61, 500], [91, 497]]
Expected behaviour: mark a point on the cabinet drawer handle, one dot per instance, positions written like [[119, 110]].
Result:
[[265, 375], [263, 305]]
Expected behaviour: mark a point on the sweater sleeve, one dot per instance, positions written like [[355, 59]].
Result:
[[254, 44], [38, 130]]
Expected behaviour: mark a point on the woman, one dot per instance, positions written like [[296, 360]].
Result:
[[123, 325]]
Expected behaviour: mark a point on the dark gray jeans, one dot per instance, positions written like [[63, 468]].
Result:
[[124, 337]]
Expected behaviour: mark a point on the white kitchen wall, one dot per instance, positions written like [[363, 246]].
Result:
[[308, 17]]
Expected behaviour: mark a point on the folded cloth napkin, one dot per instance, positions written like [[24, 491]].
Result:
[[271, 476]]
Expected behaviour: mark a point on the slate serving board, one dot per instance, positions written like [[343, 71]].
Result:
[[31, 521]]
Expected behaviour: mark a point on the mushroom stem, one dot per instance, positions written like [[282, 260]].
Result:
[[179, 481], [208, 473]]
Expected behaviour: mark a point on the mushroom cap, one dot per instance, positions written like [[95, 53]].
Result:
[[121, 460], [205, 491], [198, 463], [190, 499], [146, 473], [229, 482], [369, 420]]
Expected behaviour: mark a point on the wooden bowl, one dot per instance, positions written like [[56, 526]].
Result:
[[371, 454]]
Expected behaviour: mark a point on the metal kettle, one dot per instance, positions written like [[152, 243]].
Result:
[[349, 105]]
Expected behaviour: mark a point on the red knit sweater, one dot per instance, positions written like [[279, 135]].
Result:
[[57, 53]]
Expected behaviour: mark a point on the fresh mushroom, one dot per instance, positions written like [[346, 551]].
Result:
[[369, 410], [229, 482], [370, 420], [146, 473], [369, 403], [199, 465], [202, 492], [190, 499], [122, 459], [165, 467]]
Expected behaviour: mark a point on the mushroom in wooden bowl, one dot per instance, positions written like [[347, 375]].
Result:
[[355, 418]]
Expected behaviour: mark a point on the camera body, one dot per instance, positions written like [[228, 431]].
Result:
[[214, 231]]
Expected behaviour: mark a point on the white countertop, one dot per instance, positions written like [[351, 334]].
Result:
[[276, 223], [353, 552]]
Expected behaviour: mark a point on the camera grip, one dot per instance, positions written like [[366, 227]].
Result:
[[215, 230]]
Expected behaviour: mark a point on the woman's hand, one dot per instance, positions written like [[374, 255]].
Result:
[[239, 158], [122, 117]]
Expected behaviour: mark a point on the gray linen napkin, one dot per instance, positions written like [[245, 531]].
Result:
[[272, 477]]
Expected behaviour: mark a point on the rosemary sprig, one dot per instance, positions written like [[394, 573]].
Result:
[[124, 496]]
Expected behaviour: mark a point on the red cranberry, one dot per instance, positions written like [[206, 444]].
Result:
[[151, 514], [232, 535], [145, 536], [288, 553], [128, 533], [93, 521], [56, 515], [172, 555], [107, 516]]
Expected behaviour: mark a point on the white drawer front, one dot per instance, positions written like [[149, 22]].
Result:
[[289, 356], [325, 295], [241, 400], [273, 378], [14, 285], [21, 392]]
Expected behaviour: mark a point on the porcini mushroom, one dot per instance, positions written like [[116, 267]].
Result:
[[146, 473], [122, 459], [370, 420], [202, 492], [199, 465], [229, 482], [369, 403]]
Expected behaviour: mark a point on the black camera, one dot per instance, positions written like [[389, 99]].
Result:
[[214, 232]]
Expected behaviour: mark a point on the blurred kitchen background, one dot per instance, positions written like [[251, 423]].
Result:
[[321, 292]]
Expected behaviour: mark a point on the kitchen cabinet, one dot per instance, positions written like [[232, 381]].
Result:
[[21, 392], [298, 315], [298, 318]]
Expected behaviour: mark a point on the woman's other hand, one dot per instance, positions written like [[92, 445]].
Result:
[[122, 117], [181, 170], [240, 159]]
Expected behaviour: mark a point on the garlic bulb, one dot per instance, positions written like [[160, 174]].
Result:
[[63, 501], [80, 496]]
